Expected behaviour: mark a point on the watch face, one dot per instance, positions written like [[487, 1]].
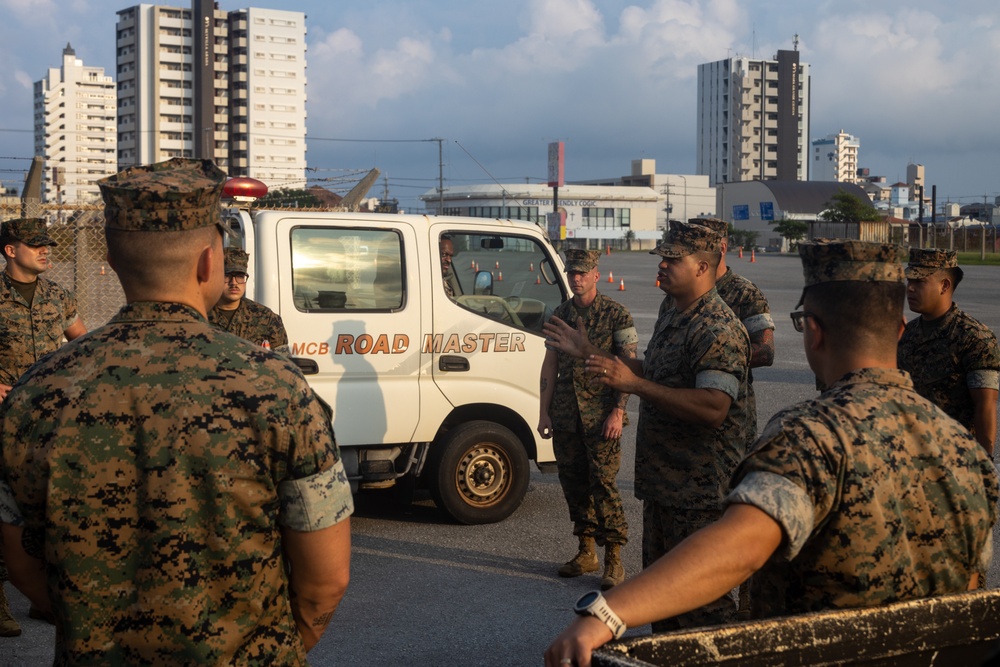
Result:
[[587, 599]]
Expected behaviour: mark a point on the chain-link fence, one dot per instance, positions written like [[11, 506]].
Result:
[[79, 262]]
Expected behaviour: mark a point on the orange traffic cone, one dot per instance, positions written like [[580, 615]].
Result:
[[538, 280], [500, 278], [607, 250], [753, 256], [611, 277], [498, 265], [621, 286], [472, 264], [741, 252], [531, 267]]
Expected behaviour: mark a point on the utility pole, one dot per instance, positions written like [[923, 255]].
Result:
[[440, 174]]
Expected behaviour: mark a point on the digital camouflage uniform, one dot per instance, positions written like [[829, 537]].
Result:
[[155, 463], [249, 320], [29, 332], [253, 322], [880, 495], [682, 469], [948, 356], [750, 305], [588, 463]]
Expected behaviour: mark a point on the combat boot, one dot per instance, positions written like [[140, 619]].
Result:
[[614, 571], [584, 561], [8, 625]]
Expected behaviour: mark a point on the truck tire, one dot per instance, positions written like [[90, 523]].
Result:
[[478, 472]]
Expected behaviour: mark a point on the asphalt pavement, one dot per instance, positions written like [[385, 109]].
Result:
[[425, 591]]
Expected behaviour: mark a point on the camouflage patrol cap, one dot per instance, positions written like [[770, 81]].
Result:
[[720, 227], [926, 262], [237, 260], [685, 239], [839, 260], [179, 194], [30, 231], [581, 260]]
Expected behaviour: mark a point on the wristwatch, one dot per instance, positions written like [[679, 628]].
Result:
[[594, 604]]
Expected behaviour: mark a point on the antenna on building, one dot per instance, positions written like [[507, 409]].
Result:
[[795, 42], [753, 42]]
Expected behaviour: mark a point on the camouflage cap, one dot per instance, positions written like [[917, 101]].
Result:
[[582, 260], [30, 231], [176, 195], [720, 227], [237, 260], [685, 239], [839, 260], [925, 262]]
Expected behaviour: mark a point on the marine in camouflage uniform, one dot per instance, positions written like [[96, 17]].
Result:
[[953, 358], [176, 480], [35, 315], [30, 330], [682, 468], [880, 495], [750, 305], [586, 419], [245, 317], [692, 414], [866, 495]]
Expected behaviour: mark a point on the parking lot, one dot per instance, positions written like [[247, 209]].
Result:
[[425, 591]]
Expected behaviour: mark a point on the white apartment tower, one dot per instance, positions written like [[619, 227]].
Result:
[[753, 119], [835, 158], [75, 129], [202, 82]]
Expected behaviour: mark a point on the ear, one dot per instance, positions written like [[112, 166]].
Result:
[[207, 259], [816, 334], [946, 285]]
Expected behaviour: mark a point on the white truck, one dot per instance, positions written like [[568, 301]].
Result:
[[426, 387]]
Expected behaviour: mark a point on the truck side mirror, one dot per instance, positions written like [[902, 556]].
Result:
[[483, 283]]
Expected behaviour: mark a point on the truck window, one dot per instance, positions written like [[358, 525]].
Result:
[[515, 283], [344, 269]]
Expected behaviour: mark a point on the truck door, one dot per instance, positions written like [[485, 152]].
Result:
[[348, 302], [487, 344]]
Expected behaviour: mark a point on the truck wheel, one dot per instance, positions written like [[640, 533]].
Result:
[[478, 473]]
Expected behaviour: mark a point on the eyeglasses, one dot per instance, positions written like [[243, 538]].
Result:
[[238, 278], [799, 319]]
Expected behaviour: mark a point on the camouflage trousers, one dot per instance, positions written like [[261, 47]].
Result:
[[588, 466], [663, 528]]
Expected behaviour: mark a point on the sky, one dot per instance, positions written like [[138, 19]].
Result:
[[915, 81]]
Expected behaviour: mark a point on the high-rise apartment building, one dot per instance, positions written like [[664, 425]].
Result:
[[202, 82], [753, 119], [835, 158], [75, 129]]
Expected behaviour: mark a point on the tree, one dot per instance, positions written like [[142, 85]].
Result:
[[845, 207], [791, 230], [743, 238]]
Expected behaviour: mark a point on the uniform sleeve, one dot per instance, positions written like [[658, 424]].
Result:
[[316, 493], [722, 356], [981, 359], [791, 478], [624, 333]]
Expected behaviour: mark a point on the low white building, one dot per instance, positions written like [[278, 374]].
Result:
[[598, 212]]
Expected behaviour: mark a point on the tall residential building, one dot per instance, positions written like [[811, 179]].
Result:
[[753, 119], [75, 129], [202, 82], [835, 158]]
